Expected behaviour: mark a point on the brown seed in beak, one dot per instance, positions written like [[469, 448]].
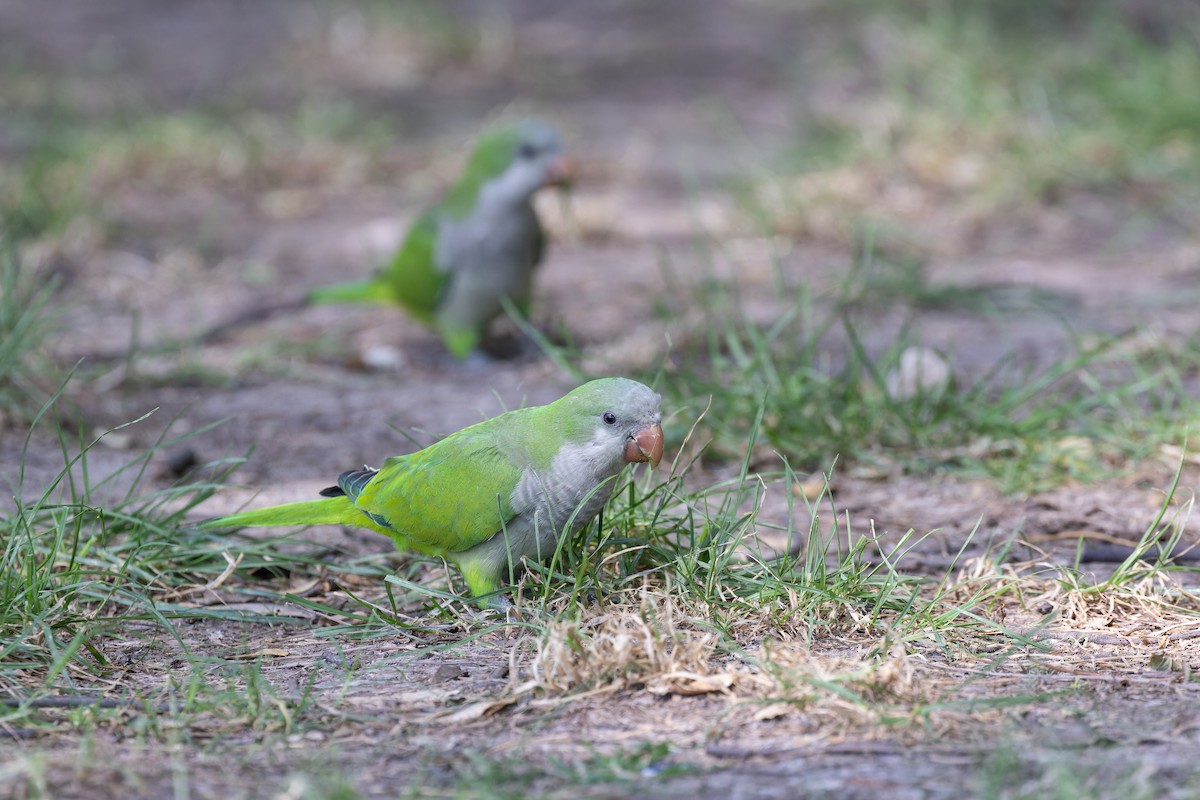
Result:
[[560, 173], [645, 444]]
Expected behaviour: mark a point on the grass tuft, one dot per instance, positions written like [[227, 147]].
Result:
[[92, 566], [27, 319], [809, 385]]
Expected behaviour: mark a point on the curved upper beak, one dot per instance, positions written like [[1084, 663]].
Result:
[[560, 172], [645, 444]]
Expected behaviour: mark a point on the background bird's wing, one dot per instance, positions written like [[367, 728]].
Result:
[[413, 275]]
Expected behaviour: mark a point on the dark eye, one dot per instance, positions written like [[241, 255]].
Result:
[[609, 418], [526, 151]]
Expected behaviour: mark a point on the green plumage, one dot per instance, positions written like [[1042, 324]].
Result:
[[330, 511], [481, 243], [493, 493], [493, 154], [411, 279], [472, 473]]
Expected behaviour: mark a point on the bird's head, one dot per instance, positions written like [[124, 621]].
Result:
[[511, 162], [618, 419], [539, 157]]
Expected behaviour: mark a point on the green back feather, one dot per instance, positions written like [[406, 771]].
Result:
[[456, 493], [491, 156], [412, 276], [442, 500]]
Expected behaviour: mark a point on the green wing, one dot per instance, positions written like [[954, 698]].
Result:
[[492, 155], [411, 279], [448, 497], [412, 275]]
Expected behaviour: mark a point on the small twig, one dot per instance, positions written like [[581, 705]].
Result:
[[78, 702], [20, 734], [231, 564], [1092, 637], [836, 749], [1062, 674], [1106, 553], [1154, 676], [216, 333], [250, 316]]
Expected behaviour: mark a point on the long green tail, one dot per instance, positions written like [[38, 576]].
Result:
[[368, 291], [329, 511]]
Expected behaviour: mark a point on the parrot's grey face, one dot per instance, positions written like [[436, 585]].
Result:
[[537, 161], [633, 427], [612, 422]]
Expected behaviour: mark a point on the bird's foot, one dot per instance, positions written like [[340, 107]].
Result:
[[476, 360]]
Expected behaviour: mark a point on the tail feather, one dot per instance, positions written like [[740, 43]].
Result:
[[372, 290], [331, 511], [352, 482]]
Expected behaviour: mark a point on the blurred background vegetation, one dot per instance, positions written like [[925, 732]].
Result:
[[906, 138]]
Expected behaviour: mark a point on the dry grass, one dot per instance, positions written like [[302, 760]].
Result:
[[621, 646]]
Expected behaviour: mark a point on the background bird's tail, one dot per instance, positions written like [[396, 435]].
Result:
[[330, 511], [368, 291]]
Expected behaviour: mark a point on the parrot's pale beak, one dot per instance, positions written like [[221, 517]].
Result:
[[645, 444], [560, 173]]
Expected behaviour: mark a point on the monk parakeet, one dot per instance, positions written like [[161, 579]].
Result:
[[499, 491], [482, 242]]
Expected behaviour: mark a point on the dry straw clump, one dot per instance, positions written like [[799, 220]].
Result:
[[792, 671], [1146, 596], [655, 647], [621, 646]]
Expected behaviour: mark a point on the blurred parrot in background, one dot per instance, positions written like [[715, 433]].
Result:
[[502, 490], [480, 244]]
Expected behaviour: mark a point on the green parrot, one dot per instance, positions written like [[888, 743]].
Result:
[[502, 490], [481, 243]]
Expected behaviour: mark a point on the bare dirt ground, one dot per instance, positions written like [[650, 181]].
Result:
[[637, 89]]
